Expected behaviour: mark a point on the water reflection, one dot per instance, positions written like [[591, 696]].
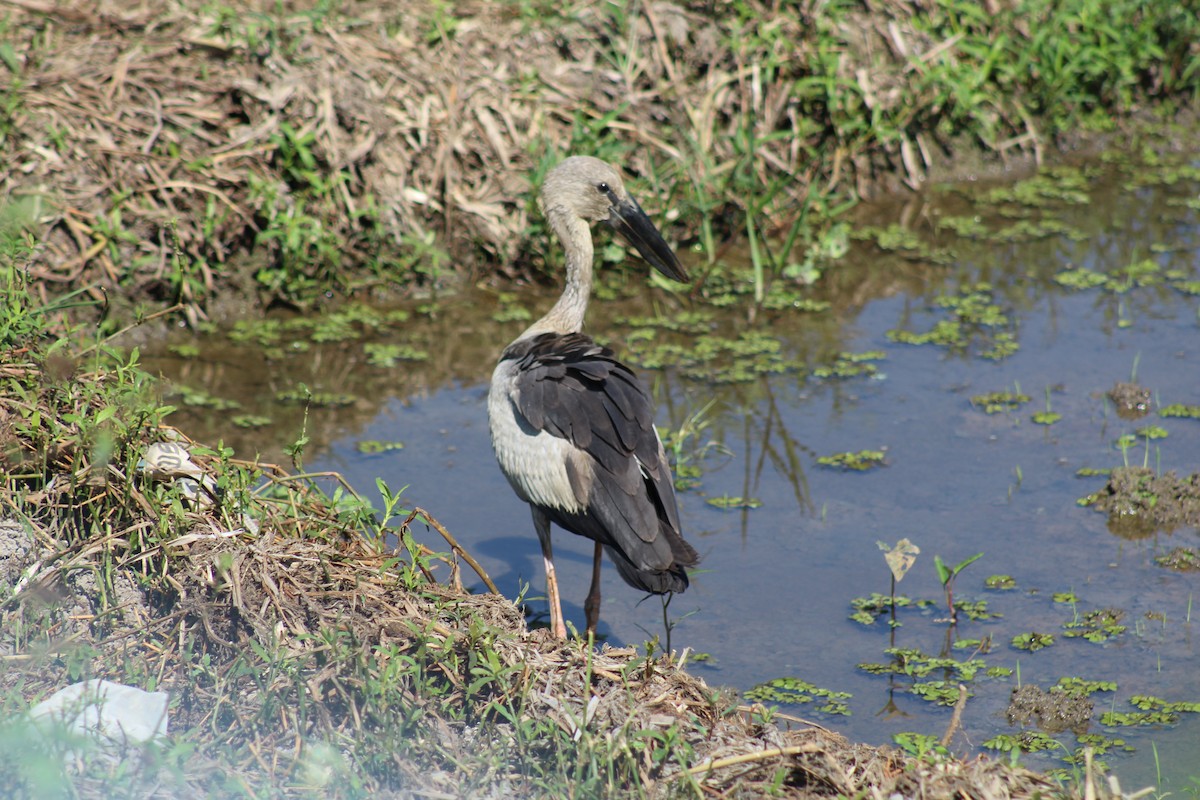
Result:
[[773, 597]]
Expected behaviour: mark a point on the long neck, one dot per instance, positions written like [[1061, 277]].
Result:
[[567, 314]]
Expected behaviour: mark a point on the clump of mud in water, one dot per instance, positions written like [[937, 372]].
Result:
[[1056, 711], [1139, 502], [1181, 559], [1132, 401]]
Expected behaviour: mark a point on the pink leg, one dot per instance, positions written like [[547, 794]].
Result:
[[591, 606], [541, 524]]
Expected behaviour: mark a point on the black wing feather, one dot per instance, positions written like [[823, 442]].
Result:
[[572, 388]]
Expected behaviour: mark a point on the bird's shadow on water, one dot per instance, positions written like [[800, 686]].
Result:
[[522, 557]]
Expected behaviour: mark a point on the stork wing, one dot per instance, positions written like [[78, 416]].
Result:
[[572, 388]]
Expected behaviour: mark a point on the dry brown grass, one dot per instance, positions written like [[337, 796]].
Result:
[[143, 130]]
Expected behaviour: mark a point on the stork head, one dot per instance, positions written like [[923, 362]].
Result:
[[591, 190]]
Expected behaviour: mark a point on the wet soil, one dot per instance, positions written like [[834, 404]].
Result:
[[1131, 400], [1054, 711], [1139, 501]]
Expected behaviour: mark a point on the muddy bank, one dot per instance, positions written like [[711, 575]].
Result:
[[175, 152]]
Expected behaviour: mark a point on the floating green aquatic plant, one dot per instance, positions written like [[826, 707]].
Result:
[[1136, 274], [727, 502], [1092, 472], [1096, 626], [1063, 185], [943, 693], [1025, 742], [1153, 711], [1046, 417], [963, 227], [251, 421], [861, 461], [868, 609], [1000, 582], [374, 446], [914, 663], [303, 396], [1081, 686], [1180, 410], [996, 402], [851, 365], [975, 318], [199, 398], [1151, 432], [389, 354], [1032, 641], [794, 691]]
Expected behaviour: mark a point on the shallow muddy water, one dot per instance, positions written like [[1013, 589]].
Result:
[[773, 597]]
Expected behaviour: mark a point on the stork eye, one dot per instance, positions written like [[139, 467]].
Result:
[[602, 187]]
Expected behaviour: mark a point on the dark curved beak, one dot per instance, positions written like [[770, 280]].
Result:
[[628, 219]]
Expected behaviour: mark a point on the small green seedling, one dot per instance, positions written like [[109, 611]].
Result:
[[947, 575]]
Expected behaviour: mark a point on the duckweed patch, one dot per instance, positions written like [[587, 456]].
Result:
[[281, 337], [942, 693], [1136, 275], [1084, 686], [373, 447], [794, 691], [976, 324], [1000, 402], [304, 397], [861, 461], [1032, 641], [916, 664], [1099, 625], [867, 609], [1152, 711], [1180, 410], [200, 398], [727, 502], [381, 354], [1053, 186], [249, 421], [1000, 583], [851, 365], [714, 359], [1025, 742]]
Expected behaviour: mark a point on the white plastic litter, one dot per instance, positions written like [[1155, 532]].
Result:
[[106, 710]]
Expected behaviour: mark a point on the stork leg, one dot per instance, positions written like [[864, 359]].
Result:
[[541, 524], [591, 606]]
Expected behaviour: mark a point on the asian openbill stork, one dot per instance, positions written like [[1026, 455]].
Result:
[[573, 427]]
